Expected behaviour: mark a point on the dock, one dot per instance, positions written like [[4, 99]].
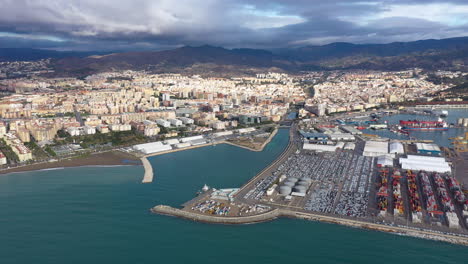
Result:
[[148, 177]]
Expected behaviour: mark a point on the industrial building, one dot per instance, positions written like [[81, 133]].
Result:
[[153, 147], [384, 161], [426, 163], [246, 130], [187, 139], [322, 147], [222, 134], [428, 149], [171, 141], [375, 149], [351, 130], [396, 148], [342, 136], [317, 137]]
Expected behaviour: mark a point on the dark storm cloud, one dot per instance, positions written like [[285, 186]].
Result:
[[149, 24]]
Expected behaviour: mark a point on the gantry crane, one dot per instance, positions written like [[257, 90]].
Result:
[[460, 144]]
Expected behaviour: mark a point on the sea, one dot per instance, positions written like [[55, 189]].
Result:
[[441, 138], [101, 215]]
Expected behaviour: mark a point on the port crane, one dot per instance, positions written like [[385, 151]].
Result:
[[460, 144]]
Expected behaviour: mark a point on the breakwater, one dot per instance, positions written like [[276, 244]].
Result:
[[167, 210], [277, 213], [148, 177]]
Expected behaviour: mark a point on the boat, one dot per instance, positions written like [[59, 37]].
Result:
[[423, 125], [441, 113]]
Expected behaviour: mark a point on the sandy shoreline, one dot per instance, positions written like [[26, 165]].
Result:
[[104, 159]]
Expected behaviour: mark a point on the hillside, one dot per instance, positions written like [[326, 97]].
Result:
[[445, 54]]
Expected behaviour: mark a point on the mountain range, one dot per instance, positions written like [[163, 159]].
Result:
[[444, 54]]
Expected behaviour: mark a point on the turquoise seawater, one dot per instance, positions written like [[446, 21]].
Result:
[[101, 215]]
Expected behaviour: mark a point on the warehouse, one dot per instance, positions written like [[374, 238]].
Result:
[[396, 148], [425, 163], [321, 147], [317, 137], [429, 149], [351, 130], [385, 161], [375, 148], [182, 145], [246, 130], [342, 136], [171, 141], [153, 147], [221, 134], [187, 139]]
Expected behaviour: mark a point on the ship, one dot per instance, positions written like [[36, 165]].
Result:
[[441, 113], [423, 125]]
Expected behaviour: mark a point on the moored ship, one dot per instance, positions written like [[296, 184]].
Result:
[[423, 125]]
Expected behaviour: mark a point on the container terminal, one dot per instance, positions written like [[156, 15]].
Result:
[[331, 171]]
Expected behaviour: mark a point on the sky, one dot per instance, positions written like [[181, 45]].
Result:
[[115, 25]]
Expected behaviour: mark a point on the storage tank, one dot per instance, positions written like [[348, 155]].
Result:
[[303, 183], [300, 189], [285, 190], [289, 183], [309, 180], [292, 179]]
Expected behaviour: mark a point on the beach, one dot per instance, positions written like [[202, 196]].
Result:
[[98, 159]]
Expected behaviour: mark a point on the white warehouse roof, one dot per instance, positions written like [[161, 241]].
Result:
[[375, 148], [396, 147]]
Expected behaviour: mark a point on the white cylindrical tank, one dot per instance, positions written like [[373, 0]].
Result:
[[300, 189], [285, 190], [292, 179]]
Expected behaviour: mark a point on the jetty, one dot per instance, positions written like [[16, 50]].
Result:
[[148, 177], [300, 214]]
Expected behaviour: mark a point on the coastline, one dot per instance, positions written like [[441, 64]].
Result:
[[262, 147], [117, 158], [104, 159]]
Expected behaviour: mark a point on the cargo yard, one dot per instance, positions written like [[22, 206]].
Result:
[[333, 170]]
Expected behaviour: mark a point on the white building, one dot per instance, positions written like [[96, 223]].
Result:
[[375, 148], [186, 120], [152, 147], [163, 123], [175, 122], [73, 131]]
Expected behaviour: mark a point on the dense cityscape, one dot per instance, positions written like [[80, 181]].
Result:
[[233, 131]]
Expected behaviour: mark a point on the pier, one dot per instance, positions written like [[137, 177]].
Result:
[[148, 177]]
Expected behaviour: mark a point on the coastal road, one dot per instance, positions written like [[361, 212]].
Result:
[[289, 150]]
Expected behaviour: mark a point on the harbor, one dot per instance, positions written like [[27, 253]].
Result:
[[338, 174]]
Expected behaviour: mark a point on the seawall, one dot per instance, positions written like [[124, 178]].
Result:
[[277, 213], [167, 210]]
